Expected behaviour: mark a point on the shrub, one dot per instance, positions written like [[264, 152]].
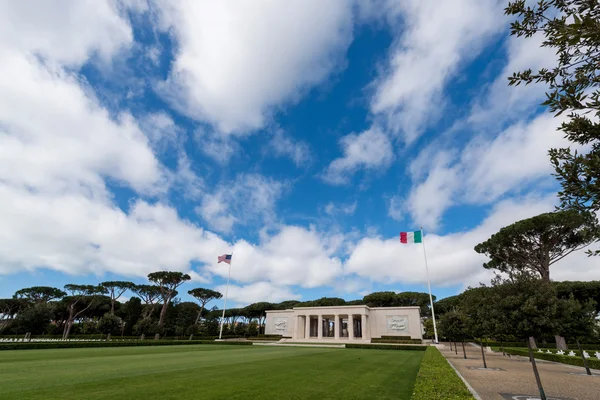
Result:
[[396, 341], [437, 379], [131, 343], [571, 360], [540, 345], [383, 347], [396, 337]]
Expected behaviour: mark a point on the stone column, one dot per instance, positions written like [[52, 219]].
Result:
[[307, 327], [364, 327], [350, 327], [297, 327], [336, 324], [320, 327]]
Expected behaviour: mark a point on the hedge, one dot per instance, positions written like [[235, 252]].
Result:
[[542, 345], [117, 337], [414, 341], [383, 347], [72, 345], [396, 337], [571, 360], [437, 380]]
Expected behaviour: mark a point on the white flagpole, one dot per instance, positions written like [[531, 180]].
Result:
[[429, 286], [225, 303]]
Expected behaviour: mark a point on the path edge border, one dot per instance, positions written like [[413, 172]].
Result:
[[473, 392]]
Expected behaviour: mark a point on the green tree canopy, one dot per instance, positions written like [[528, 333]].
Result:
[[204, 296], [167, 282], [115, 290], [40, 294], [452, 326], [380, 299], [532, 245], [81, 298], [572, 29]]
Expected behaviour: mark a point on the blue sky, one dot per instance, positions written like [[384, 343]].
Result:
[[303, 136]]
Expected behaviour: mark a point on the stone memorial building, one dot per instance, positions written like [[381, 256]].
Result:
[[344, 323]]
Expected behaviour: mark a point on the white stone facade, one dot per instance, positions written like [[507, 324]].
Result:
[[332, 322]]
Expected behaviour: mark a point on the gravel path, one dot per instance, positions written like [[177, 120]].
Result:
[[516, 376]]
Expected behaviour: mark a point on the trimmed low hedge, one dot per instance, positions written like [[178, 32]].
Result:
[[542, 345], [571, 360], [396, 337], [73, 345], [409, 341], [383, 347], [437, 380]]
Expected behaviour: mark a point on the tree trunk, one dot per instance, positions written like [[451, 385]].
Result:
[[585, 363], [455, 348], [143, 336], [535, 371], [531, 342], [163, 313], [112, 307], [68, 330], [157, 336], [108, 337], [191, 336], [69, 322], [482, 354], [561, 343], [502, 347], [450, 345], [199, 315], [464, 351]]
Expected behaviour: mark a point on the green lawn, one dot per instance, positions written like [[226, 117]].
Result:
[[208, 372]]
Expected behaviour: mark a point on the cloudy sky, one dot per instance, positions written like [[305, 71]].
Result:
[[303, 136]]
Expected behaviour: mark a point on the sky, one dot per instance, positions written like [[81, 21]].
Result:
[[301, 136]]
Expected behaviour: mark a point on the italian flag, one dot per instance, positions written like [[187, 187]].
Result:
[[410, 237]]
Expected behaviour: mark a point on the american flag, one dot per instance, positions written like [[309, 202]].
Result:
[[225, 258]]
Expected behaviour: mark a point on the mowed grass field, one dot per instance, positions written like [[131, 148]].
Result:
[[208, 372]]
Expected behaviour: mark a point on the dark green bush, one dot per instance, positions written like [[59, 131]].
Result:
[[571, 360], [437, 380], [383, 347], [396, 341], [130, 343], [396, 337], [545, 346]]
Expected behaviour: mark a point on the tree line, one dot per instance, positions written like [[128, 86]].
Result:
[[154, 309]]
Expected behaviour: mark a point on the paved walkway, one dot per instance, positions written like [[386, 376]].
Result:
[[516, 376]]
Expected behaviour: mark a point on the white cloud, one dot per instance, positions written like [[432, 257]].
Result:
[[256, 292], [292, 256], [501, 102], [161, 130], [437, 37], [78, 235], [428, 200], [487, 169], [451, 257], [340, 209], [397, 208], [371, 150], [66, 31], [236, 62], [284, 146], [58, 145], [219, 148], [250, 198]]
